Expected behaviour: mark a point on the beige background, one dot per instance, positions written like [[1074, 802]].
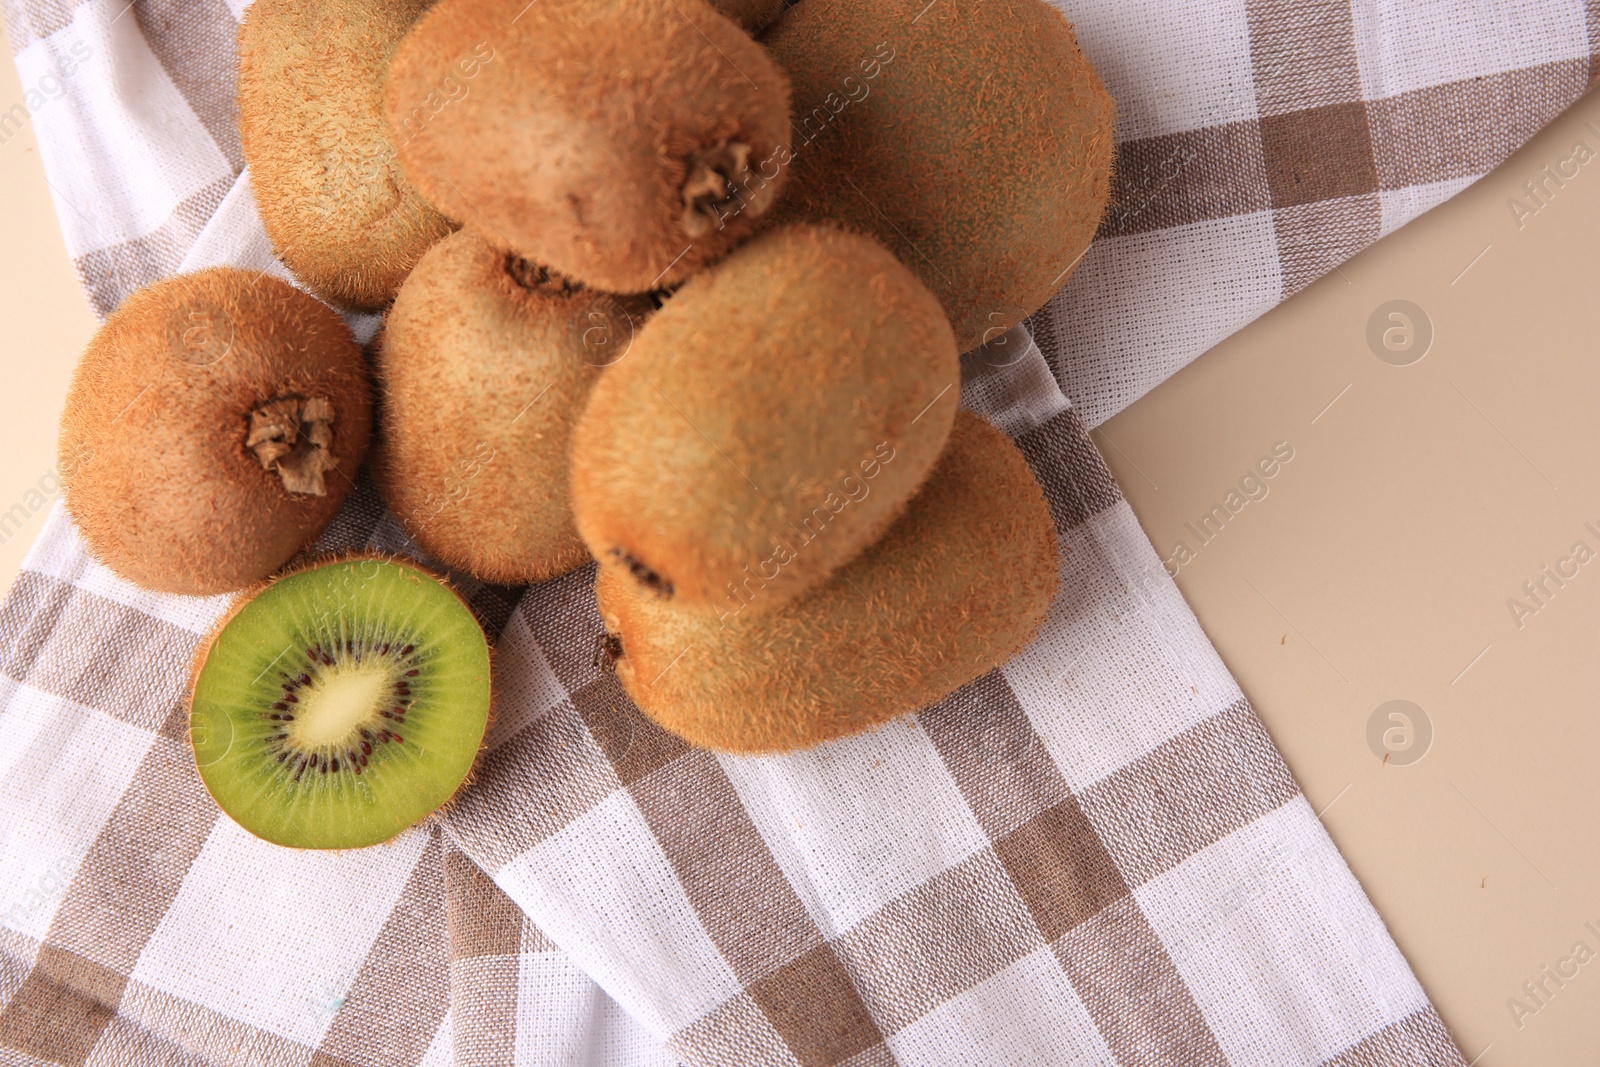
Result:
[[1377, 566], [45, 322]]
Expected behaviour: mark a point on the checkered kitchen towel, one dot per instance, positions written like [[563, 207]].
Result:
[[1091, 856]]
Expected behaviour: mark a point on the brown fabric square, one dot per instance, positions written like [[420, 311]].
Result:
[[1134, 994], [634, 745], [1182, 178], [155, 1029], [997, 760], [1462, 129], [741, 895], [493, 605], [483, 1005], [1303, 55], [400, 995], [482, 920], [62, 1008], [1061, 869], [955, 930], [563, 619], [1418, 1040], [137, 675], [133, 871], [194, 40], [1318, 154], [1210, 780], [554, 758], [811, 1002], [1077, 483]]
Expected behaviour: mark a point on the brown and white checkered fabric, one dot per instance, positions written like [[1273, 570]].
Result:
[[1091, 856]]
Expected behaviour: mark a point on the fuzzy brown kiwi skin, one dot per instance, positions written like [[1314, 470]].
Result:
[[243, 598], [485, 364], [606, 177], [331, 193], [955, 588], [775, 416], [753, 15], [991, 197], [153, 448]]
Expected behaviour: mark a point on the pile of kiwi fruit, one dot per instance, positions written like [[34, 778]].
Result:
[[679, 287]]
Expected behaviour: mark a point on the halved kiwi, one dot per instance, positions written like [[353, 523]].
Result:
[[340, 704]]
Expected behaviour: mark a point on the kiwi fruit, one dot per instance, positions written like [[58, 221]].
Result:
[[329, 188], [957, 586], [340, 704], [771, 421], [624, 143], [483, 368], [972, 139], [213, 427]]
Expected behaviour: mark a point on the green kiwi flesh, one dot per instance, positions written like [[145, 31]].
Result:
[[957, 586], [340, 704], [973, 139]]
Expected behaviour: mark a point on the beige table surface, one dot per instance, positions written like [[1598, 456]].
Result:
[[44, 323], [1377, 567]]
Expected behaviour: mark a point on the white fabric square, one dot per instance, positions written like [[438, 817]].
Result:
[[838, 823], [525, 686], [1121, 664], [116, 173], [1171, 65], [63, 767], [272, 936], [1028, 1015], [1403, 45], [604, 890], [1277, 944], [235, 237], [1400, 206], [440, 1052], [564, 1018], [1139, 307], [1008, 382], [61, 553]]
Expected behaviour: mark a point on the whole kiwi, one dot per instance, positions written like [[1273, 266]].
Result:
[[623, 143], [213, 427], [957, 586], [771, 421], [484, 366], [332, 197], [973, 139]]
